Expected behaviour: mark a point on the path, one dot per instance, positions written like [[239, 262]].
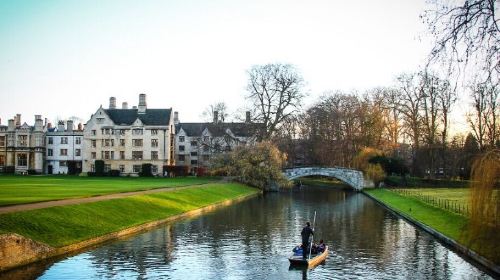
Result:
[[72, 201]]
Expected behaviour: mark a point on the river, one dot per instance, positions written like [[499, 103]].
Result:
[[252, 240]]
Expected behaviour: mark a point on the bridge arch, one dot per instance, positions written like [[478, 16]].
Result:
[[353, 178]]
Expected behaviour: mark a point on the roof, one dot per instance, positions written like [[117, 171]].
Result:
[[219, 129], [128, 116]]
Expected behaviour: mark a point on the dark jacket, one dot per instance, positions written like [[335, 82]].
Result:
[[306, 233]]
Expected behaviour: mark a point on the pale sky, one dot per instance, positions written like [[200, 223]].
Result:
[[66, 58]]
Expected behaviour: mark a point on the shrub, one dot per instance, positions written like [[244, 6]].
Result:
[[390, 165], [176, 170], [99, 168], [32, 172], [10, 169], [146, 170], [114, 173]]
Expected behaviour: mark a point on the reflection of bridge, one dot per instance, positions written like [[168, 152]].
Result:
[[353, 178]]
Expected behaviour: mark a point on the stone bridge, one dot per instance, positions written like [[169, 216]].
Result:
[[353, 178]]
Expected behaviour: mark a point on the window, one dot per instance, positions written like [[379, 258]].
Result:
[[107, 167], [154, 169], [78, 140], [181, 148], [93, 143], [194, 154], [122, 142], [122, 154], [22, 140], [137, 131], [112, 155], [64, 140], [137, 142], [137, 168], [92, 168], [78, 152], [182, 158], [51, 140], [122, 168], [154, 131], [2, 141], [93, 132], [93, 155], [137, 155], [194, 143], [2, 160], [63, 163], [206, 138], [109, 142], [181, 138], [100, 120], [106, 155], [50, 152], [154, 155], [154, 142], [206, 157], [122, 131], [22, 160], [194, 162], [63, 152]]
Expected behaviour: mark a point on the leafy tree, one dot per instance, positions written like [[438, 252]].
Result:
[[376, 173], [484, 224], [259, 166]]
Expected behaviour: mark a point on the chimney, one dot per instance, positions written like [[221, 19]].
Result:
[[49, 125], [45, 122], [18, 119], [247, 117], [176, 117], [112, 103], [124, 105], [69, 125], [60, 126], [38, 123], [80, 128], [12, 125], [142, 103], [216, 116]]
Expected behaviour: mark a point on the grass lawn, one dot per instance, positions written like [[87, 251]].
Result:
[[27, 189], [64, 225], [449, 224], [322, 181]]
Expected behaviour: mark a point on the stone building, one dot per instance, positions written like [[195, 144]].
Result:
[[64, 149], [127, 138], [22, 147], [196, 143]]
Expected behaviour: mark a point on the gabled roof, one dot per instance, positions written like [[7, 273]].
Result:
[[219, 129], [128, 116]]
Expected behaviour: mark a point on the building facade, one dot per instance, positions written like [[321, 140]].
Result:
[[22, 147], [197, 143], [127, 138], [64, 153]]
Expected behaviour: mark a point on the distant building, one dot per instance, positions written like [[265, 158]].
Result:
[[64, 152], [197, 143], [127, 138], [22, 147]]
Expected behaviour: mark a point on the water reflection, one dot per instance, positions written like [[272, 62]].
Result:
[[253, 239]]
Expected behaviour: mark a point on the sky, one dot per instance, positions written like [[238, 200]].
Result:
[[66, 58]]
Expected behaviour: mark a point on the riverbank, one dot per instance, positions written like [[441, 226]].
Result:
[[30, 236], [450, 228]]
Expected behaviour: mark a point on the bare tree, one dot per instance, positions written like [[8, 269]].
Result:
[[466, 31], [275, 92], [483, 119], [210, 112]]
